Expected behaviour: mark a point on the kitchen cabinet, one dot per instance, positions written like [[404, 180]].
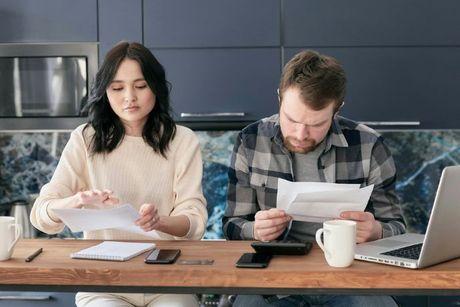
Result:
[[118, 20], [48, 21], [402, 58], [207, 81], [211, 23], [394, 84], [323, 23], [223, 58], [34, 299]]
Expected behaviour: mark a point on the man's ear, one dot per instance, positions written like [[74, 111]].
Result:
[[279, 98], [339, 108]]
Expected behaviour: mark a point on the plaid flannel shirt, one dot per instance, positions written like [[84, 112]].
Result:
[[353, 153]]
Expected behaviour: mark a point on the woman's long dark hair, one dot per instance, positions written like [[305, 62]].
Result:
[[159, 129]]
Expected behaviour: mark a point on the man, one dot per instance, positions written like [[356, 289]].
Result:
[[308, 141]]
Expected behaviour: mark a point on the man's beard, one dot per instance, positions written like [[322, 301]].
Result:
[[308, 145]]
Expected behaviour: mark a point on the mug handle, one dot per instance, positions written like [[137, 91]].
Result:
[[18, 232], [319, 232]]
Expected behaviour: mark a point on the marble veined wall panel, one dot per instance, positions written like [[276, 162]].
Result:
[[27, 161], [420, 157]]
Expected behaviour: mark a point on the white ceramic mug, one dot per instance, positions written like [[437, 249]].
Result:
[[339, 242], [9, 236]]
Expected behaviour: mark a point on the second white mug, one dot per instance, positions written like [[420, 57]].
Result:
[[9, 235], [339, 242]]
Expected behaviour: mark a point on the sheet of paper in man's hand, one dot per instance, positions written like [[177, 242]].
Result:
[[320, 201]]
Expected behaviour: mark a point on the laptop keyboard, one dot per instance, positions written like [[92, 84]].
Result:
[[409, 252]]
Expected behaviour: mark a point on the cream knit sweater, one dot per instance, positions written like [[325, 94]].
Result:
[[136, 175]]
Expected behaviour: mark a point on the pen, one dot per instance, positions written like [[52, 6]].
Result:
[[35, 254]]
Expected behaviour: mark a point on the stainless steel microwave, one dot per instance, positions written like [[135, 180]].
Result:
[[45, 86]]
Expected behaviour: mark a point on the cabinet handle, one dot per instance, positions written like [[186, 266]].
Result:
[[379, 123], [219, 114], [25, 298]]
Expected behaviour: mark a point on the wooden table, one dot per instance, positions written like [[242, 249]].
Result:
[[54, 270]]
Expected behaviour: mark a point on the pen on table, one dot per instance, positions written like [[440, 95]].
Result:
[[35, 254]]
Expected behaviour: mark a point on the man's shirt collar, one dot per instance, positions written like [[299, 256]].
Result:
[[335, 135]]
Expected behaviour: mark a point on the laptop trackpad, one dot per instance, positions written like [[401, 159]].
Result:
[[387, 243]]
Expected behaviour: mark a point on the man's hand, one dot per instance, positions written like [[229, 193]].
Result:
[[367, 228], [270, 224], [96, 198], [149, 218]]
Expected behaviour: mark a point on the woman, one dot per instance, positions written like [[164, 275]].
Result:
[[130, 151]]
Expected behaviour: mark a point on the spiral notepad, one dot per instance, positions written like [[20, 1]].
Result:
[[113, 250]]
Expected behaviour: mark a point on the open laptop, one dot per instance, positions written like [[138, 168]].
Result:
[[441, 241]]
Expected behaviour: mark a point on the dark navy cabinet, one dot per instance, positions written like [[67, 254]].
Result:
[[48, 21], [404, 84], [370, 23], [211, 23], [402, 58], [239, 82], [118, 20], [34, 299], [223, 58]]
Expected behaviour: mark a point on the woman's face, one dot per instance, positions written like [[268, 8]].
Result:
[[130, 96]]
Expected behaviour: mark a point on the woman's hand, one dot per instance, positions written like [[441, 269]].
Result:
[[95, 198], [149, 218]]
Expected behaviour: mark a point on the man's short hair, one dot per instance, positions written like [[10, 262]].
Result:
[[320, 79]]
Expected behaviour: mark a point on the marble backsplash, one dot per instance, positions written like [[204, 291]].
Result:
[[27, 161]]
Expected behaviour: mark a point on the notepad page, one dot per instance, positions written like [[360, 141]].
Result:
[[113, 250]]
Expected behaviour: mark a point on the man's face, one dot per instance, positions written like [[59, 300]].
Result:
[[302, 127]]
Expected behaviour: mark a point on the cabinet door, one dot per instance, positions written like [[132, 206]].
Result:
[[34, 299], [414, 84], [211, 23], [119, 20], [222, 81], [48, 21], [371, 22]]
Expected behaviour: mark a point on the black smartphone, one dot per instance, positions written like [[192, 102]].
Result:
[[162, 256], [253, 260], [282, 248]]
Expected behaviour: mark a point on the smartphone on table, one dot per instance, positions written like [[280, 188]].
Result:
[[253, 260], [162, 256]]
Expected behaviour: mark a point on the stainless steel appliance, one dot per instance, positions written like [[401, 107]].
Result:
[[45, 86]]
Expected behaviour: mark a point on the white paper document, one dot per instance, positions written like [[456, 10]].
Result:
[[121, 217], [320, 201]]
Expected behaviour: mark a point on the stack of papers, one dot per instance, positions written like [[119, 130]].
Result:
[[122, 218], [320, 201]]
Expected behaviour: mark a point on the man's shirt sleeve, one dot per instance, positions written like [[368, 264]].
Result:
[[384, 203], [238, 220]]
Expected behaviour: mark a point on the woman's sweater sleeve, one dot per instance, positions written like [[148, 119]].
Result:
[[70, 177], [188, 193]]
